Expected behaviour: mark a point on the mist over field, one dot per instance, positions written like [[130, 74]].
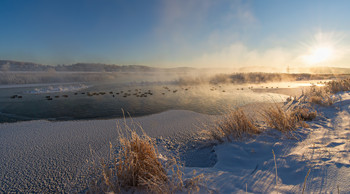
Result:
[[13, 72]]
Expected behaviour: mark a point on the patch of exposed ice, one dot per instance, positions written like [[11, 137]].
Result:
[[57, 88]]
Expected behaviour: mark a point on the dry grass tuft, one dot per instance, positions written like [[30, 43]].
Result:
[[283, 120], [138, 166], [304, 113], [233, 125], [338, 86], [321, 96], [135, 166]]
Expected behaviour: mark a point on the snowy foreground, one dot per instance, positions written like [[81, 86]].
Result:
[[43, 156], [324, 149]]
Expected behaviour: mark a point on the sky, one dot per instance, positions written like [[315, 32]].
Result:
[[173, 33]]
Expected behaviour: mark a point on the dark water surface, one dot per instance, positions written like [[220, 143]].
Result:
[[72, 102]]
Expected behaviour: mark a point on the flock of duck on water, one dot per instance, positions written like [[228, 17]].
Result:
[[136, 92]]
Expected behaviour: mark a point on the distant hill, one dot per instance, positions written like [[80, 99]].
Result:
[[15, 66], [8, 65], [265, 69], [315, 70], [327, 70]]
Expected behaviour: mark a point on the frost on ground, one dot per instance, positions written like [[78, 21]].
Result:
[[42, 156], [249, 166], [51, 157]]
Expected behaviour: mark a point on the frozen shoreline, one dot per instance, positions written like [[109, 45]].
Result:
[[44, 156], [248, 166]]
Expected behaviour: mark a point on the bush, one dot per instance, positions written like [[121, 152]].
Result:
[[233, 125], [283, 120], [320, 96], [137, 166], [323, 95], [304, 113], [338, 86]]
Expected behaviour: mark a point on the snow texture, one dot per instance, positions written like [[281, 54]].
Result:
[[324, 149], [43, 156]]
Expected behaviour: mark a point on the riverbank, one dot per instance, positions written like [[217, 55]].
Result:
[[43, 156]]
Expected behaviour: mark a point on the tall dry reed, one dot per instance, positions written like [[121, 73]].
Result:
[[319, 95], [138, 166], [233, 125], [338, 86], [135, 166], [283, 120]]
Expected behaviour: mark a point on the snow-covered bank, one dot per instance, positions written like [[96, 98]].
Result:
[[249, 166], [43, 156]]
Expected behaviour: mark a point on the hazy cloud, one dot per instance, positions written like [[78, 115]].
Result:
[[309, 53], [239, 55], [187, 28]]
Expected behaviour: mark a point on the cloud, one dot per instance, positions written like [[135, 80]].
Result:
[[191, 27], [239, 55], [241, 12], [178, 18], [205, 33]]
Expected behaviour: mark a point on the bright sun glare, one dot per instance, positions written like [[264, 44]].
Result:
[[319, 54]]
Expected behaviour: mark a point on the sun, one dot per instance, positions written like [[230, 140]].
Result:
[[322, 49], [319, 54]]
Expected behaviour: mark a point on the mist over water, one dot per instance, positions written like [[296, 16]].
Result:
[[72, 102], [107, 95]]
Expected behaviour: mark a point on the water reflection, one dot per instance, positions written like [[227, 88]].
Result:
[[107, 100]]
